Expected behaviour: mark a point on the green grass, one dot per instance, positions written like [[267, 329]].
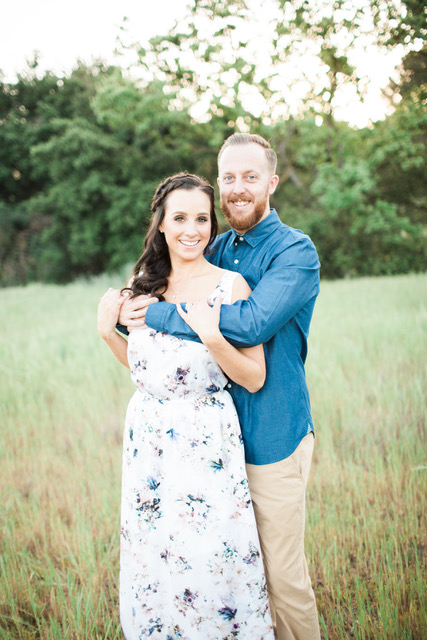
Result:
[[63, 399]]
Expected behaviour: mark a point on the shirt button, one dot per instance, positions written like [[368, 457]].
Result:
[[241, 238], [229, 386], [236, 262]]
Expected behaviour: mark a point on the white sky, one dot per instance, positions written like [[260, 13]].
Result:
[[63, 31]]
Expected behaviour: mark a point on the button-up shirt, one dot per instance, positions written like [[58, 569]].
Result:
[[281, 266]]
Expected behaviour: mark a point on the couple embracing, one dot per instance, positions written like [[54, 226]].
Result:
[[219, 435]]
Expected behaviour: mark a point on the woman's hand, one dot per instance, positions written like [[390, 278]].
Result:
[[108, 312], [203, 318]]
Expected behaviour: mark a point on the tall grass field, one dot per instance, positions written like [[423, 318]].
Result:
[[63, 399]]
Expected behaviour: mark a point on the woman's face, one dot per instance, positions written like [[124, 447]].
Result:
[[187, 223]]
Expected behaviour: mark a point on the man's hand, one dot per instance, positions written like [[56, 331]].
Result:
[[132, 311]]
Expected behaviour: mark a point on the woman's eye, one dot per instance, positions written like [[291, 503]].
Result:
[[203, 219], [179, 218]]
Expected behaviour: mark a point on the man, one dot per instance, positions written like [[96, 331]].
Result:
[[282, 268]]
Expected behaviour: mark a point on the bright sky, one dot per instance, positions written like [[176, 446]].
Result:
[[63, 31]]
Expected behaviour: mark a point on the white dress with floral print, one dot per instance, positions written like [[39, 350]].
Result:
[[190, 563]]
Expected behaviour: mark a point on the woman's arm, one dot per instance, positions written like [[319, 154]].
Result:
[[108, 313], [244, 366]]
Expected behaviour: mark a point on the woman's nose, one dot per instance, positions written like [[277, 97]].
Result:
[[190, 229]]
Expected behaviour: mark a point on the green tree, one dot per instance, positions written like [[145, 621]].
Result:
[[28, 109], [249, 63], [399, 21], [80, 156], [102, 176], [204, 59]]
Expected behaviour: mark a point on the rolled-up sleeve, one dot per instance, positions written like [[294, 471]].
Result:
[[163, 316]]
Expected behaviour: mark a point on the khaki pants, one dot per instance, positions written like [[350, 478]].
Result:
[[278, 496]]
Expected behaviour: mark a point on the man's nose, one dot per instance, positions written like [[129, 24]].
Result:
[[239, 185]]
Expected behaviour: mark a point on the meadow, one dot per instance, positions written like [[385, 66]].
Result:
[[63, 398]]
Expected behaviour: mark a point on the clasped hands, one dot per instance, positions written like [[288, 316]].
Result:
[[117, 306]]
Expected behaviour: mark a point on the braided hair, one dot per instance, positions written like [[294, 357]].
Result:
[[153, 268]]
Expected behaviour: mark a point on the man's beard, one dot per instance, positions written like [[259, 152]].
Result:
[[243, 222]]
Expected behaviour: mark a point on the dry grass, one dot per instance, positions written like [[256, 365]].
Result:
[[63, 400]]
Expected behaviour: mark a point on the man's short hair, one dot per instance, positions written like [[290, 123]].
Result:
[[248, 138]]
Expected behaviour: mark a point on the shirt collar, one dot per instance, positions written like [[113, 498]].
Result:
[[255, 235]]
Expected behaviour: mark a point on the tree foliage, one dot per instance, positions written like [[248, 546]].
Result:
[[399, 21], [77, 195], [81, 155]]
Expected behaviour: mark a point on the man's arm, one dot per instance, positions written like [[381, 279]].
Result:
[[290, 282]]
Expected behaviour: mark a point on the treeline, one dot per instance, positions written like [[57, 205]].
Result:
[[80, 157]]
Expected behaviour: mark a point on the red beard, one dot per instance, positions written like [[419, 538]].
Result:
[[244, 221]]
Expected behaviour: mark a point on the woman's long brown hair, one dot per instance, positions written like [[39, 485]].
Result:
[[153, 268]]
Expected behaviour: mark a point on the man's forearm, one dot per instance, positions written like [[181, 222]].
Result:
[[278, 297], [163, 316]]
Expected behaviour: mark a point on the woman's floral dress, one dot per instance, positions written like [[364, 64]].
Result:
[[190, 563]]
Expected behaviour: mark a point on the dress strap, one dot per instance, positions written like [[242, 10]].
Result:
[[224, 287]]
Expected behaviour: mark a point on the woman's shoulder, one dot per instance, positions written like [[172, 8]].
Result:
[[241, 289], [233, 278], [232, 286], [224, 275]]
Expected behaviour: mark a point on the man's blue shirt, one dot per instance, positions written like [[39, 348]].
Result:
[[281, 266]]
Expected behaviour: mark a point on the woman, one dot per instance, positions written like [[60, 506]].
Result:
[[190, 564]]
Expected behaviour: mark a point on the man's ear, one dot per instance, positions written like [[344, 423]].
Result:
[[274, 181]]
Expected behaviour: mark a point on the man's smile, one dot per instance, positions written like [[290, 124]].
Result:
[[240, 203]]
